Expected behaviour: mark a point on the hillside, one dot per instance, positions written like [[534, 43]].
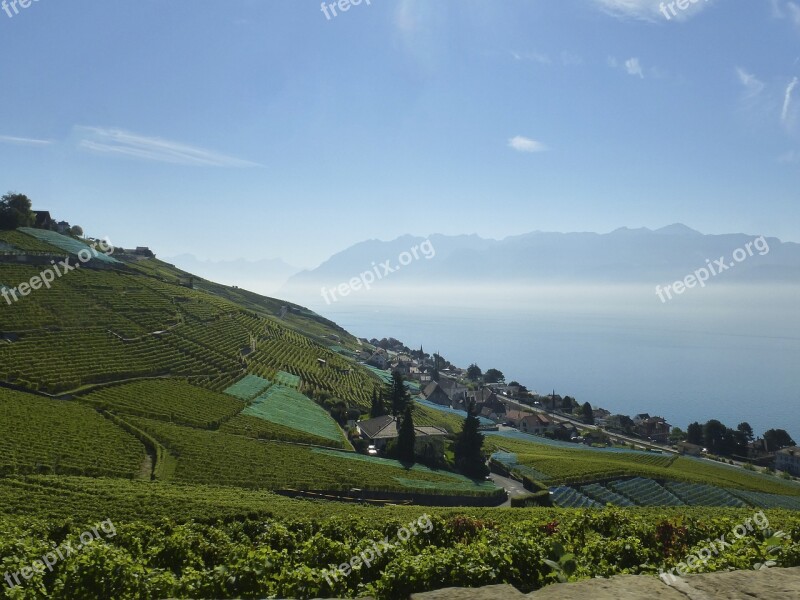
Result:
[[187, 411], [130, 346]]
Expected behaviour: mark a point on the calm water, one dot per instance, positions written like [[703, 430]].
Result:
[[725, 353]]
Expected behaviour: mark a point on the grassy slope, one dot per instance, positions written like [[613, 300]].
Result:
[[564, 465]]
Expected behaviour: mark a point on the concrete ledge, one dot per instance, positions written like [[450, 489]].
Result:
[[768, 584]]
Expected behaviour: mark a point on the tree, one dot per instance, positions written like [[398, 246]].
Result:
[[746, 430], [677, 435], [474, 372], [494, 376], [399, 397], [777, 439], [15, 211], [76, 231], [435, 374], [694, 434], [468, 447], [714, 436], [407, 437], [587, 413], [339, 412], [378, 408]]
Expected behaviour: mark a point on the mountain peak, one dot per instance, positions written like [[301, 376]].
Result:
[[677, 229]]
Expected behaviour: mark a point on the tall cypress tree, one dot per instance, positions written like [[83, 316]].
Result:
[[407, 437], [399, 397], [378, 409], [468, 447]]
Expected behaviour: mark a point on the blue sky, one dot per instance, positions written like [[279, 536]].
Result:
[[261, 128]]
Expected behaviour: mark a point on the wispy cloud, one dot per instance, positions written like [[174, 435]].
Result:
[[752, 85], [794, 12], [786, 113], [634, 67], [132, 145], [22, 141], [542, 59], [524, 144], [782, 9]]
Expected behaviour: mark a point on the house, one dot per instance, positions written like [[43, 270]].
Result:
[[42, 219], [488, 413], [400, 367], [788, 460], [453, 388], [690, 449], [485, 398], [429, 441], [652, 428], [144, 251], [433, 392], [535, 424], [514, 417], [378, 359], [568, 431]]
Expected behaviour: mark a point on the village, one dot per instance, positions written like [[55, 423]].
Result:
[[501, 405]]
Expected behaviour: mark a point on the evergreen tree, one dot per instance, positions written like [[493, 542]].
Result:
[[587, 413], [378, 409], [468, 447], [399, 397], [406, 440], [694, 434]]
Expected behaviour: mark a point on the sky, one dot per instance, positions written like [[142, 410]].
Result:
[[273, 129]]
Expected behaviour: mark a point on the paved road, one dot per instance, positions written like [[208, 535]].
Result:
[[559, 418], [512, 486]]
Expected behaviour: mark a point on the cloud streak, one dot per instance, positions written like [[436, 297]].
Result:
[[131, 145], [22, 141], [786, 116], [524, 144], [753, 86]]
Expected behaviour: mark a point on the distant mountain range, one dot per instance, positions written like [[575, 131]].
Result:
[[622, 256]]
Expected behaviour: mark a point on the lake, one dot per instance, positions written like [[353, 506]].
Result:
[[730, 353]]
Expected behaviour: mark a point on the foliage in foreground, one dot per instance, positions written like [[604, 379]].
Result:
[[288, 557]]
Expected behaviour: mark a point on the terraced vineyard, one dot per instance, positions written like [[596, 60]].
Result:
[[22, 242], [577, 465], [39, 435], [289, 408], [67, 244], [604, 496], [248, 387], [697, 494], [222, 459], [567, 497], [645, 492], [170, 400]]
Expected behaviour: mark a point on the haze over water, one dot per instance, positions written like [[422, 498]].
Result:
[[725, 352]]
